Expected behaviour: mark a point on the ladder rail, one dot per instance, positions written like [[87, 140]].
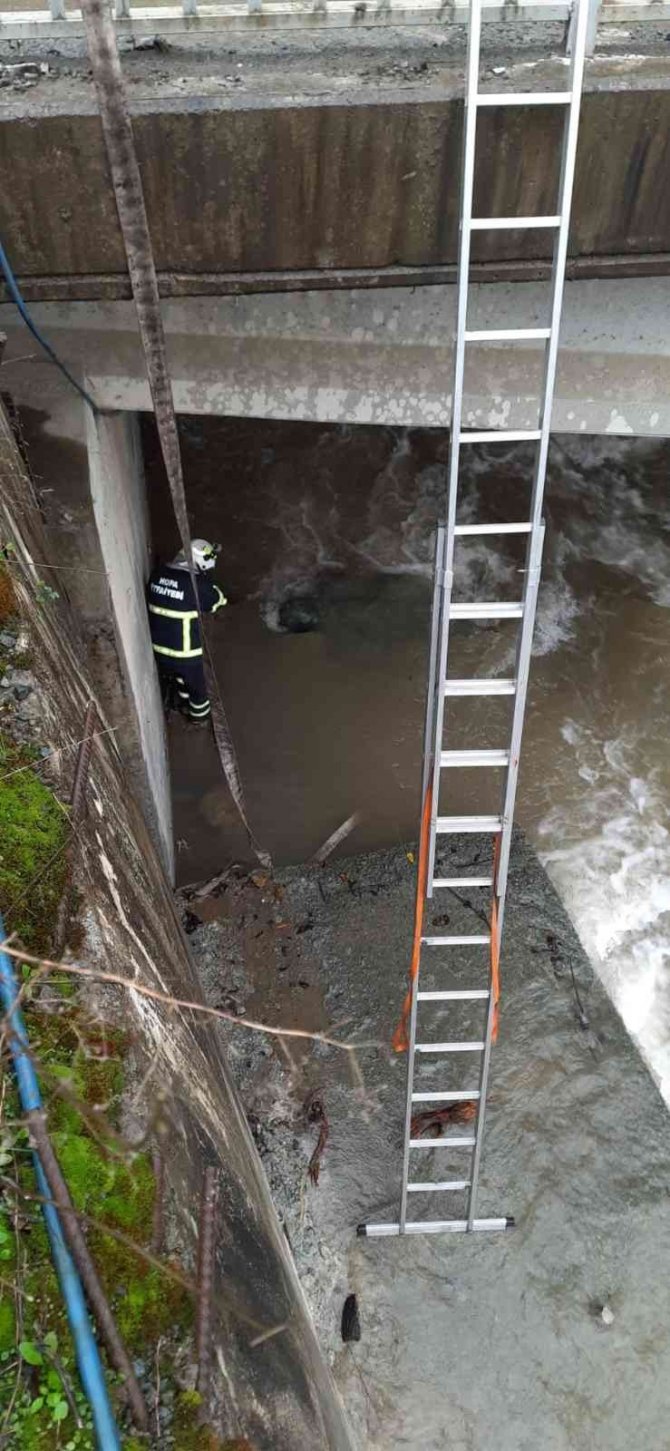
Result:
[[566, 187], [429, 716], [534, 548], [507, 813], [428, 739], [464, 239]]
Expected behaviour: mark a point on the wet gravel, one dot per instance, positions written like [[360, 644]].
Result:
[[555, 1335]]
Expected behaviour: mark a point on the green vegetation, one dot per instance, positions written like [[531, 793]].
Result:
[[115, 1191], [80, 1064], [46, 1400], [190, 1435], [33, 836]]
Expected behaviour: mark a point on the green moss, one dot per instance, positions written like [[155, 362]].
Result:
[[147, 1302], [33, 833], [86, 1173], [151, 1305], [54, 1036], [99, 1080], [7, 1246], [192, 1435], [86, 1058], [7, 1324], [189, 1433]]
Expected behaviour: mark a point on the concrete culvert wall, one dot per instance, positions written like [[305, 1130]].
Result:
[[279, 1394]]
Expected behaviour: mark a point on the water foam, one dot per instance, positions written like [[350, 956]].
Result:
[[612, 869]]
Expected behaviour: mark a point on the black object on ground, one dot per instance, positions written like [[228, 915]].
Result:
[[351, 1324]]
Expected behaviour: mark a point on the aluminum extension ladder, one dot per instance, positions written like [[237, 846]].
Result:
[[442, 685]]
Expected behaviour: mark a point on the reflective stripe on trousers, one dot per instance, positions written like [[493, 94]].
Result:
[[189, 677]]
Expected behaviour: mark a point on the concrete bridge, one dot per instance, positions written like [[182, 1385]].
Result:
[[302, 196], [302, 192]]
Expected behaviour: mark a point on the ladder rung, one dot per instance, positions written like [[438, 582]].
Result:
[[474, 758], [485, 824], [453, 1095], [504, 224], [524, 98], [500, 435], [464, 529], [467, 941], [452, 995], [488, 610], [436, 1226], [506, 334], [454, 1143], [481, 686], [448, 1047], [463, 882], [428, 1188]]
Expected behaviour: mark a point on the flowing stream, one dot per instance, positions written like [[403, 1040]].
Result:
[[332, 526]]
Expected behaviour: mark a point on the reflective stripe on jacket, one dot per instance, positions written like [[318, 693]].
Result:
[[173, 617]]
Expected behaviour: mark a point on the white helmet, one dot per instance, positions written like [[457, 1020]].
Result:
[[204, 555]]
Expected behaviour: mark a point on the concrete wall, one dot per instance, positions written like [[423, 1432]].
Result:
[[359, 171], [120, 511], [90, 491], [367, 357], [279, 1395]]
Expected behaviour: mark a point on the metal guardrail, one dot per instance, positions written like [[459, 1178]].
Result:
[[190, 16]]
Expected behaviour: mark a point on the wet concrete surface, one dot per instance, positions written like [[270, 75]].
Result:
[[468, 1343]]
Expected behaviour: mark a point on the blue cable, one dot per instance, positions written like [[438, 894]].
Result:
[[13, 290], [88, 1356]]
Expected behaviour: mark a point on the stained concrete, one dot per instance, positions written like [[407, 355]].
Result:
[[119, 505], [366, 357], [328, 161], [56, 434], [490, 1341]]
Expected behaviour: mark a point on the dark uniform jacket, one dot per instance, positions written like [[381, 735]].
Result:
[[173, 616]]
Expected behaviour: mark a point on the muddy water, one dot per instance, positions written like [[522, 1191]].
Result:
[[329, 721]]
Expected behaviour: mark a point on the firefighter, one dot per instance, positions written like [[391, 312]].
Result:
[[175, 629]]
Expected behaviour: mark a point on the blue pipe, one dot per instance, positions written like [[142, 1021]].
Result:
[[15, 294], [88, 1357]]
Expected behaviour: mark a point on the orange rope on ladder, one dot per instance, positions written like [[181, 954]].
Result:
[[400, 1039], [495, 968], [495, 942]]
